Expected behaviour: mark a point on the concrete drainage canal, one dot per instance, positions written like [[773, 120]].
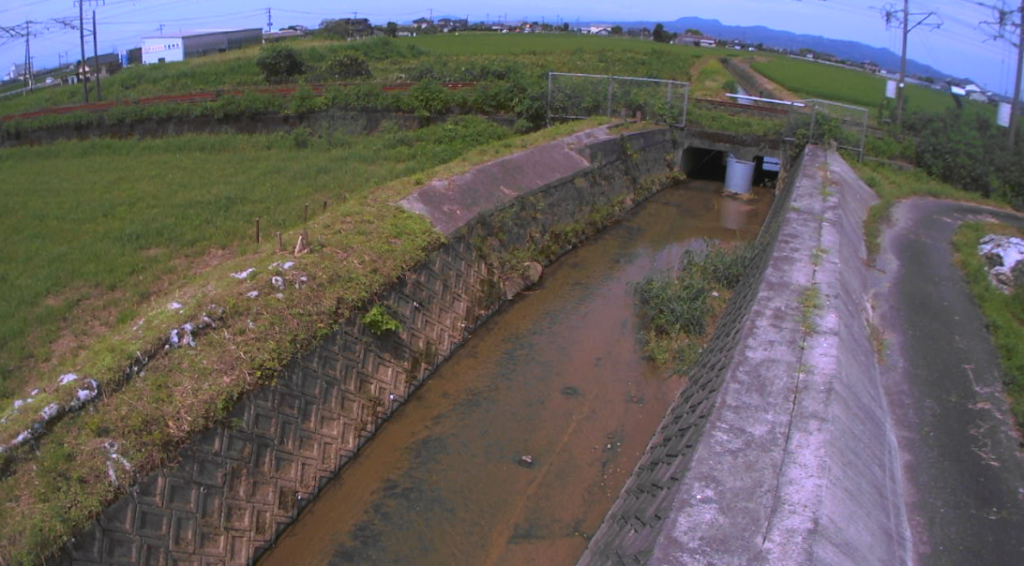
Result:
[[515, 449], [514, 446]]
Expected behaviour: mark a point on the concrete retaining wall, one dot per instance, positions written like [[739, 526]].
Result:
[[236, 488], [780, 451]]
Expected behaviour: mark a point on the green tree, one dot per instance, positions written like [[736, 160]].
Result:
[[392, 29], [565, 26], [694, 32], [336, 27], [279, 63], [662, 36], [616, 30]]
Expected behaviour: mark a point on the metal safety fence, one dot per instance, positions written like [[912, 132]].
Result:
[[823, 121], [573, 96]]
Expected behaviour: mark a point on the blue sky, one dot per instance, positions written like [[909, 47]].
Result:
[[959, 48]]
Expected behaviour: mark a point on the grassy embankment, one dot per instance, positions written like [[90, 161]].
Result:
[[1004, 313], [818, 80], [118, 230], [893, 185]]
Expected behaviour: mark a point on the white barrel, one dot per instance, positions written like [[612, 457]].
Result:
[[1003, 116], [739, 175], [890, 89]]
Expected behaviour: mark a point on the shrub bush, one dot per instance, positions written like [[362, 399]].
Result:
[[346, 66], [279, 63]]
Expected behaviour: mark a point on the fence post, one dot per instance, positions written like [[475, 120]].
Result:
[[686, 102], [863, 136], [549, 99], [611, 84], [814, 117]]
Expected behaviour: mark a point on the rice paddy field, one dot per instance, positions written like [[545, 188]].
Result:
[[819, 80]]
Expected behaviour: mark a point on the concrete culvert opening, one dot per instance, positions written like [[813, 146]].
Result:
[[704, 164]]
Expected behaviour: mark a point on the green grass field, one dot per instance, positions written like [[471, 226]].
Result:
[[818, 80], [100, 224], [465, 57]]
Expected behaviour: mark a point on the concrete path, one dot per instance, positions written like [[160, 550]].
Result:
[[961, 455]]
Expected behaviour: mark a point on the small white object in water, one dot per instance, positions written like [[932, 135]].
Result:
[[243, 274]]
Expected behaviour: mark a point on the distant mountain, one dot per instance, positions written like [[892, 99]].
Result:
[[850, 50]]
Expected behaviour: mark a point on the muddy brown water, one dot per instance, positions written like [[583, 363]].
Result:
[[559, 375]]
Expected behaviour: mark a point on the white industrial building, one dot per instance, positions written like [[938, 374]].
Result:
[[179, 46]]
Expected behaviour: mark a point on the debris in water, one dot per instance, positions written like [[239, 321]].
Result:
[[570, 391], [526, 461], [243, 274]]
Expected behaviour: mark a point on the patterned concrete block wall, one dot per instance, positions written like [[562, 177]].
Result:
[[238, 486], [632, 525]]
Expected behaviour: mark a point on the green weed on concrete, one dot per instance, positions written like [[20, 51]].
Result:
[[1004, 313]]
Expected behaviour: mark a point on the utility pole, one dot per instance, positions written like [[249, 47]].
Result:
[[1015, 105], [96, 58], [1006, 21], [23, 30], [891, 14], [270, 23], [28, 54], [81, 37]]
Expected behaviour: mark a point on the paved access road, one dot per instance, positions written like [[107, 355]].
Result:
[[961, 454]]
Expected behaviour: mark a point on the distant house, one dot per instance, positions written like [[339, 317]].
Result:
[[451, 24], [276, 36], [422, 23], [696, 40], [16, 73], [976, 93], [871, 67], [358, 26], [107, 64], [132, 57], [598, 30]]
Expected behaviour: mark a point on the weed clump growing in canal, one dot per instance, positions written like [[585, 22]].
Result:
[[679, 309]]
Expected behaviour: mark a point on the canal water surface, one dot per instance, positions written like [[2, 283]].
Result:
[[558, 375]]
